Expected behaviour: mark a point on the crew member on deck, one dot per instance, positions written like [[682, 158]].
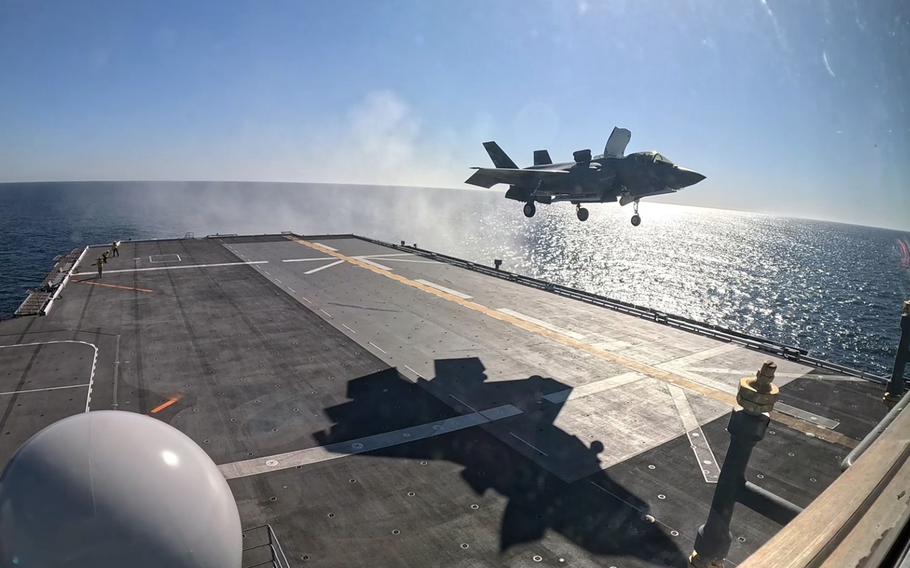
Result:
[[100, 265], [114, 250]]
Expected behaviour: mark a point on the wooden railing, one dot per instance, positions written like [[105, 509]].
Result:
[[859, 519]]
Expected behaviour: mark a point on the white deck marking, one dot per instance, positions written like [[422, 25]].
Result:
[[174, 267], [351, 329], [377, 347], [543, 324], [529, 444], [715, 384], [810, 417], [367, 444], [326, 313], [593, 387], [291, 290], [308, 259], [323, 267], [372, 263], [386, 255], [442, 288], [700, 379], [153, 256], [305, 299], [704, 457], [413, 260], [685, 361], [91, 377], [44, 389], [419, 376], [806, 375]]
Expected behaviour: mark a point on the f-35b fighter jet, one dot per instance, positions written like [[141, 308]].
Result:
[[611, 176]]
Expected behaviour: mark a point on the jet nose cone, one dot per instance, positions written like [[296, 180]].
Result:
[[684, 178]]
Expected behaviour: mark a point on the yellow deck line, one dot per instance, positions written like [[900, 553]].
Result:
[[628, 362]]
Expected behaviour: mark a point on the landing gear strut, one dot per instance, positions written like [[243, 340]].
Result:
[[530, 209], [581, 212], [636, 220]]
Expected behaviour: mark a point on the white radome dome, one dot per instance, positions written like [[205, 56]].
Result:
[[113, 489]]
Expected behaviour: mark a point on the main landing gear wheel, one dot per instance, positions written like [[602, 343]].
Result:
[[530, 209], [636, 220], [582, 214]]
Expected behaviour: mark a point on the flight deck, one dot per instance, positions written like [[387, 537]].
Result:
[[380, 405]]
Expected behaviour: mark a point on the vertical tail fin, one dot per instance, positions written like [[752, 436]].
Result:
[[542, 158], [500, 159]]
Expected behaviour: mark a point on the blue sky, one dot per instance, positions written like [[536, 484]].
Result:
[[788, 107]]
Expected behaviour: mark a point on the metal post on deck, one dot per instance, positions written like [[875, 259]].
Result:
[[897, 385], [497, 263], [756, 397]]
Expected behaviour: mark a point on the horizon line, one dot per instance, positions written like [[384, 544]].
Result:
[[471, 189]]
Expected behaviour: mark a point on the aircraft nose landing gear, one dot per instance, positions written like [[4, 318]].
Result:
[[581, 212], [530, 209], [636, 219]]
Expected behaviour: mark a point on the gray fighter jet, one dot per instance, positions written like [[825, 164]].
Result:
[[611, 176]]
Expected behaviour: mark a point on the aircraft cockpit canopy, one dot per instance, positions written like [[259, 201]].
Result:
[[656, 157]]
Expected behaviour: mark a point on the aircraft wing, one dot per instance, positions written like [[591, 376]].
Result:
[[488, 177]]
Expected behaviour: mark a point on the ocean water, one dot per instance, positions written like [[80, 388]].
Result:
[[831, 288]]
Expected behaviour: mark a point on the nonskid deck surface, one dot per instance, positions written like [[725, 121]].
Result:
[[378, 407]]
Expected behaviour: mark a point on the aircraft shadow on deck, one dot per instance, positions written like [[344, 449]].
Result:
[[538, 500]]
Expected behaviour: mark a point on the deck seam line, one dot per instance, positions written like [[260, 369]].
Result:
[[471, 408], [529, 444], [618, 498], [44, 389]]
